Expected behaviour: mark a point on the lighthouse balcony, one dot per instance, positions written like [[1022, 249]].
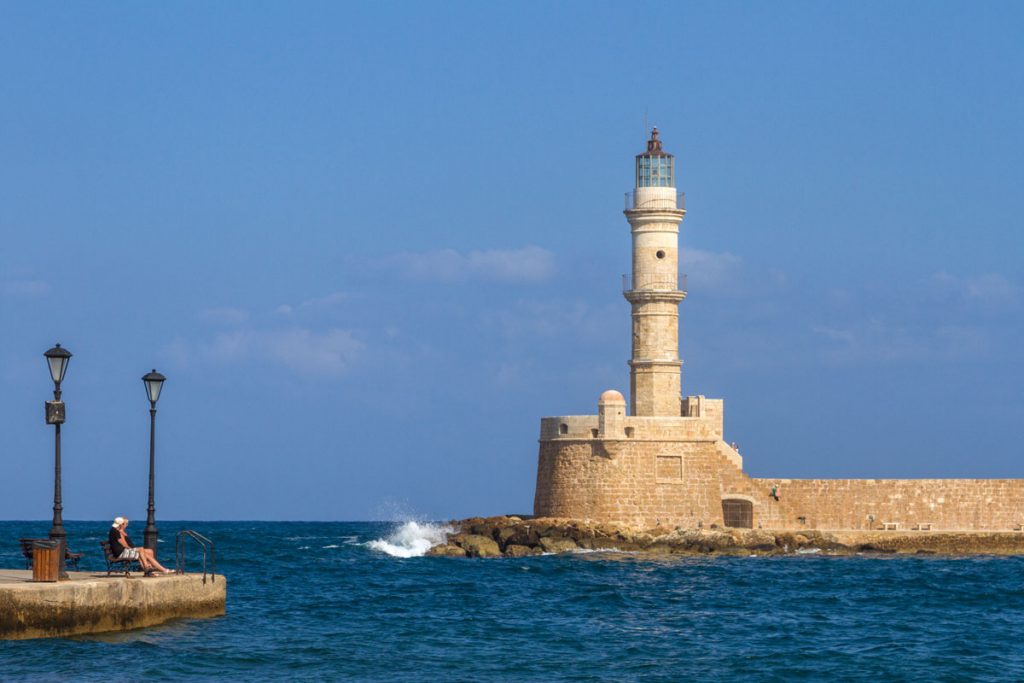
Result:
[[653, 283], [661, 199]]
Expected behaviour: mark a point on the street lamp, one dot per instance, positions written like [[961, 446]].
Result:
[[154, 382], [57, 358]]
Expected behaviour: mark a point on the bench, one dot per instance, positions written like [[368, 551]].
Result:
[[923, 526], [126, 565], [70, 559], [890, 526]]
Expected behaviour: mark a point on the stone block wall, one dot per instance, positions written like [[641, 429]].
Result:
[[654, 388], [641, 428], [708, 408], [941, 504], [646, 471], [636, 483]]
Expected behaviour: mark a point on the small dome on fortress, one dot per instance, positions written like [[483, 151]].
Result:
[[611, 396]]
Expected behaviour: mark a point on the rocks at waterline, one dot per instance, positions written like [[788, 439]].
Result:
[[476, 545], [518, 537]]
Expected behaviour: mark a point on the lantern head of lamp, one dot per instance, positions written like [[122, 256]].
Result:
[[58, 358], [154, 382]]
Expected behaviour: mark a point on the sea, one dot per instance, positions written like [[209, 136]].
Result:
[[339, 601]]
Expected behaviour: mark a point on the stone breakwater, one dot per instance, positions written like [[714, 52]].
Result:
[[519, 537], [94, 603]]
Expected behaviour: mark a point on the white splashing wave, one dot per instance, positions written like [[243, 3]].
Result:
[[412, 539]]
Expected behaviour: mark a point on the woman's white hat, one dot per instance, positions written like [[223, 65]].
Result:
[[118, 521]]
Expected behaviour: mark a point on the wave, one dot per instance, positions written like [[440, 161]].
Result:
[[411, 539]]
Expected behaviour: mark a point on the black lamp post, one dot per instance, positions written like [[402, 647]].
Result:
[[57, 358], [154, 382]]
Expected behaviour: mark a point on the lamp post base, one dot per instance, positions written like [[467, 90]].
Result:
[[149, 537]]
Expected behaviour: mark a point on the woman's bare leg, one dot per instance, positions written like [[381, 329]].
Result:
[[151, 558]]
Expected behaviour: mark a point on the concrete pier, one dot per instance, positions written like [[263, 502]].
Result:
[[93, 602]]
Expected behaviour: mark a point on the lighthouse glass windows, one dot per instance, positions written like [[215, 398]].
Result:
[[655, 171]]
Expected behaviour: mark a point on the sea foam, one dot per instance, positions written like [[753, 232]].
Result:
[[411, 539]]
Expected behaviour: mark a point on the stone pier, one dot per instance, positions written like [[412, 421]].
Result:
[[93, 602]]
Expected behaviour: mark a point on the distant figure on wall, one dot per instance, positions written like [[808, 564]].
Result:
[[775, 492], [121, 548]]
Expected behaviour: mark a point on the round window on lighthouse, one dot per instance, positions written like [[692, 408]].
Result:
[[660, 254]]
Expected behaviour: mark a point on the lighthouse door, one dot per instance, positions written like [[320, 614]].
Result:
[[738, 513]]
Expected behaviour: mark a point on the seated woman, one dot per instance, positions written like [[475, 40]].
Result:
[[121, 548]]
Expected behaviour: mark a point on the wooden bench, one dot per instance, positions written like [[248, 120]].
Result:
[[126, 565], [70, 559], [890, 526]]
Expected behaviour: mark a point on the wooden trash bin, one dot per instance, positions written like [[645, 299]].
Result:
[[45, 560]]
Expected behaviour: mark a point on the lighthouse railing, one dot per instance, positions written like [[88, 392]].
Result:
[[658, 203], [657, 283]]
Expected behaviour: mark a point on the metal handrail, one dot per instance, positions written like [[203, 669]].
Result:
[[204, 543], [654, 203], [653, 284]]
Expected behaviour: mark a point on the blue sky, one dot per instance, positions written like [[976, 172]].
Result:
[[371, 244]]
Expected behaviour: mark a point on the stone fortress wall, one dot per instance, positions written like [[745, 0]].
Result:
[[676, 471], [904, 504]]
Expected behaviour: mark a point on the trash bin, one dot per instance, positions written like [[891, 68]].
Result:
[[45, 560]]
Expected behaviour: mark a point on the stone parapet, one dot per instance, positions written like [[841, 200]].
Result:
[[648, 428]]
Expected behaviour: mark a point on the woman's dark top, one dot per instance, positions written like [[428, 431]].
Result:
[[114, 537]]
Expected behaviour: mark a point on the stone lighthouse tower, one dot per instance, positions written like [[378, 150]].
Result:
[[654, 210], [658, 458]]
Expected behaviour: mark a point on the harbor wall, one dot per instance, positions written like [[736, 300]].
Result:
[[89, 603], [903, 504], [649, 471]]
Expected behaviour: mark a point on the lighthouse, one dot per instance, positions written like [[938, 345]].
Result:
[[654, 210], [661, 459], [658, 457]]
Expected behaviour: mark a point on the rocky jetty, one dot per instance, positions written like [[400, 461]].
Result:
[[510, 536]]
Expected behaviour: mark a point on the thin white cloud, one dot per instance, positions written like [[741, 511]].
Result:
[[513, 374], [177, 352], [321, 355], [224, 316], [872, 340], [960, 341], [326, 301], [25, 288], [714, 270], [992, 289], [316, 354], [843, 337], [329, 300], [527, 265], [550, 319], [877, 341]]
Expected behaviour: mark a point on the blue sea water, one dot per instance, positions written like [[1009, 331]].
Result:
[[332, 601]]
